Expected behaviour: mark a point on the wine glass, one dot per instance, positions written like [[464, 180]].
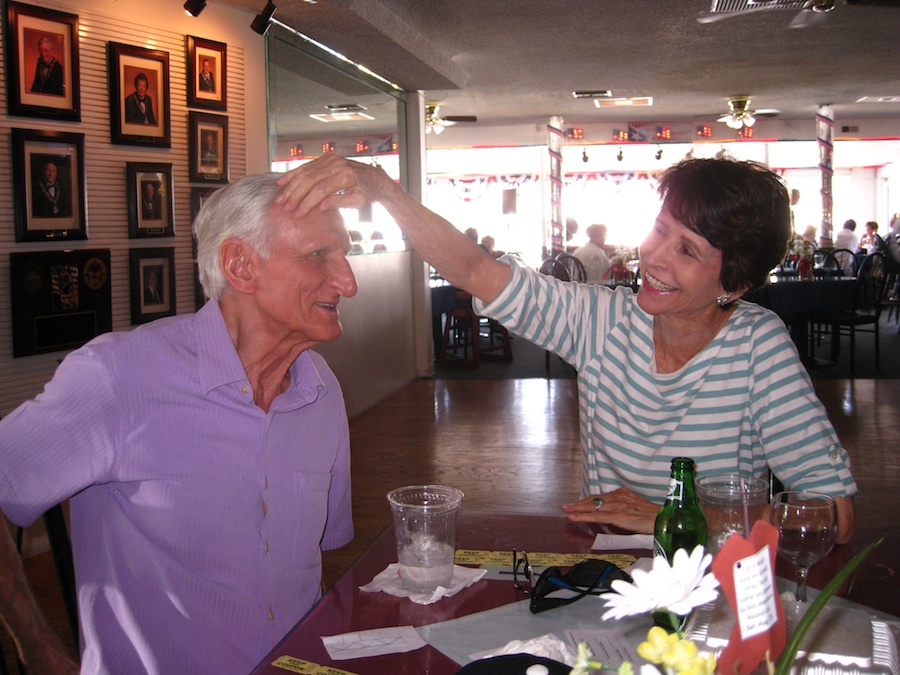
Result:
[[807, 527]]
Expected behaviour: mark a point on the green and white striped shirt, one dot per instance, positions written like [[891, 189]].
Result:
[[744, 403]]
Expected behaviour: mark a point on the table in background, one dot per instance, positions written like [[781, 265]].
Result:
[[345, 608], [795, 301]]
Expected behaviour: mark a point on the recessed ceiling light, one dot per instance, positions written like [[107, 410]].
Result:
[[623, 102], [343, 117]]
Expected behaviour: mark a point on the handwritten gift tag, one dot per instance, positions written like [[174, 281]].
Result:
[[754, 590], [746, 573]]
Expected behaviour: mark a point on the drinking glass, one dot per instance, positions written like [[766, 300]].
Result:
[[807, 524]]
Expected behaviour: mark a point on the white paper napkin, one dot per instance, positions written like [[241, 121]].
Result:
[[617, 542], [547, 646], [388, 582]]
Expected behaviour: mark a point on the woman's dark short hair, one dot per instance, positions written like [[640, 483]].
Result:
[[741, 208]]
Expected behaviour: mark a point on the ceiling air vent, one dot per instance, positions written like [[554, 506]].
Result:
[[727, 6]]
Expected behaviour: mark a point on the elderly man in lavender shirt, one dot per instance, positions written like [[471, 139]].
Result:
[[206, 457]]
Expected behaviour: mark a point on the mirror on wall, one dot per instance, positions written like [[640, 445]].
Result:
[[320, 104]]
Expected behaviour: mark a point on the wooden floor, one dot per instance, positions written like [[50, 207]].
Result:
[[512, 445]]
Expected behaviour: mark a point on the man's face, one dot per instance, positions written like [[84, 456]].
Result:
[[50, 172], [141, 88], [151, 280], [149, 190], [300, 285], [46, 52], [206, 67], [210, 141]]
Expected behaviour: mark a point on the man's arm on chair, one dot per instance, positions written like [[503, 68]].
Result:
[[39, 648]]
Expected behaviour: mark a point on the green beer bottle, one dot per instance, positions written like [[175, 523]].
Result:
[[680, 523]]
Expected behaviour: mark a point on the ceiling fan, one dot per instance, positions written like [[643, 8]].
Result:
[[739, 114], [436, 123]]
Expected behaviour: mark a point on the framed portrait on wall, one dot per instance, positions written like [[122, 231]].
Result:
[[151, 203], [48, 185], [60, 299], [139, 96], [42, 63], [152, 283], [207, 73], [198, 196], [208, 145]]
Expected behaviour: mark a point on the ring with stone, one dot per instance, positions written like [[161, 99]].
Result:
[[598, 502]]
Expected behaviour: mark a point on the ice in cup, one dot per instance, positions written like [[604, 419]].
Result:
[[425, 525], [731, 503]]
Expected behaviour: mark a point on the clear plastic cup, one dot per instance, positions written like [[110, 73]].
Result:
[[731, 504], [425, 525]]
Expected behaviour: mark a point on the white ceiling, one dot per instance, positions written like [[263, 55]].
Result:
[[516, 62]]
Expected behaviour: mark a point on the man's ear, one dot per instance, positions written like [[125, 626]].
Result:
[[238, 263]]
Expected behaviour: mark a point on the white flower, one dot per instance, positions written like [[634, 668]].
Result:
[[677, 588]]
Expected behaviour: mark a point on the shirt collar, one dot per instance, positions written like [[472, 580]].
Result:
[[220, 364]]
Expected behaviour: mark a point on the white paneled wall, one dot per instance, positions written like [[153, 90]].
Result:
[[107, 209]]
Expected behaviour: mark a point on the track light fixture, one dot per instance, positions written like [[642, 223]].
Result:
[[584, 156], [658, 154], [194, 7], [621, 155], [261, 22]]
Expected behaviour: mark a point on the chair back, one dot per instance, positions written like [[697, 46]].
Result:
[[555, 268], [826, 264], [847, 260], [870, 283], [892, 258], [574, 267]]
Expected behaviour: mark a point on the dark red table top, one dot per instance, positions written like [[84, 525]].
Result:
[[345, 608]]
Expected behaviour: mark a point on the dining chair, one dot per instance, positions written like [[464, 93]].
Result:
[[461, 335], [573, 266], [826, 264], [61, 551], [847, 260], [865, 311]]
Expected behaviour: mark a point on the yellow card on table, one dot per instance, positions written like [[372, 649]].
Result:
[[302, 667], [540, 559]]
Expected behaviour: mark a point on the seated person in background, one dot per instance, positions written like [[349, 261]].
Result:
[[868, 243], [206, 457], [593, 254], [847, 239], [809, 234], [707, 375]]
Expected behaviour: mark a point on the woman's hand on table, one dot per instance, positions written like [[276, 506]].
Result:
[[621, 508]]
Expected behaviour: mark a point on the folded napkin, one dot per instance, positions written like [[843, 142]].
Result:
[[548, 646], [388, 582], [617, 542]]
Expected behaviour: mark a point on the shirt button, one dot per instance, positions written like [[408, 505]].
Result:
[[266, 483], [266, 547], [245, 389], [271, 615]]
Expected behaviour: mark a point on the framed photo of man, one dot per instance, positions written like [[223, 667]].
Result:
[[206, 73], [208, 143], [48, 185], [42, 75], [151, 203], [139, 96], [152, 283]]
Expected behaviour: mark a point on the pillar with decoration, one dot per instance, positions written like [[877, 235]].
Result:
[[825, 139], [554, 237]]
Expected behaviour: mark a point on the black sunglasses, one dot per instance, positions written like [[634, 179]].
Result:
[[589, 577]]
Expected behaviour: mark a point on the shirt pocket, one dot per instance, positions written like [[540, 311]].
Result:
[[310, 506]]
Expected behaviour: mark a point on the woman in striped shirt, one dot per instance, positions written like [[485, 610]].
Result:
[[681, 368]]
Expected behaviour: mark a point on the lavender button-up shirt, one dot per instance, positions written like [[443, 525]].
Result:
[[197, 518]]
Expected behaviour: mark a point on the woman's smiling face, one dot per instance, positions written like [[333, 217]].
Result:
[[680, 270]]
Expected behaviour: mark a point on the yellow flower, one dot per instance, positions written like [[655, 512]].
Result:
[[680, 655], [657, 645]]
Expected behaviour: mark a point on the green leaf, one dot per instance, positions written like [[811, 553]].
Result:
[[790, 651]]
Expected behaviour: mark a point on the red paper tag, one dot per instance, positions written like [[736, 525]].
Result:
[[746, 572]]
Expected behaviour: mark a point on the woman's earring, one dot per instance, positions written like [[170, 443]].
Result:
[[723, 300]]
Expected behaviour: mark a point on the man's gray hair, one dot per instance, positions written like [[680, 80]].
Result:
[[242, 210]]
